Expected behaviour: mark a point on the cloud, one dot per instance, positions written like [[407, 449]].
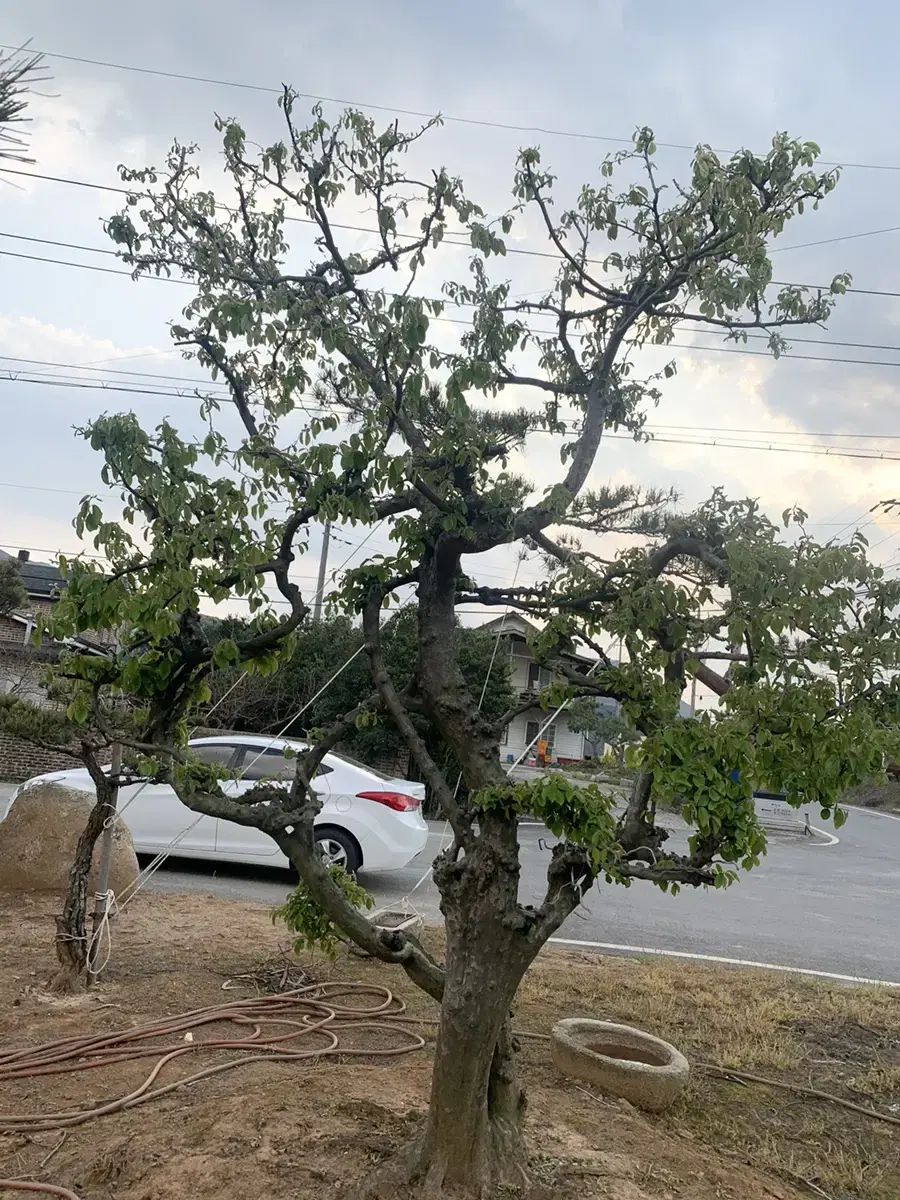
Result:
[[30, 337], [601, 67]]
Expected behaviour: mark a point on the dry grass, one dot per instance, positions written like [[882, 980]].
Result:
[[877, 1080], [838, 1039], [885, 796], [173, 953]]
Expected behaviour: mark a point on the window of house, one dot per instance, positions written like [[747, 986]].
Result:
[[533, 729], [539, 677], [504, 735]]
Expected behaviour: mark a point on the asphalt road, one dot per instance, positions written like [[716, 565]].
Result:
[[816, 905]]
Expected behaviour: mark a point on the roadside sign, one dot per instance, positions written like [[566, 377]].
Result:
[[774, 812]]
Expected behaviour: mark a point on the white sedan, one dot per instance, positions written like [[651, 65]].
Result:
[[367, 821]]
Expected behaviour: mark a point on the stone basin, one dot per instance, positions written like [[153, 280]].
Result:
[[621, 1060]]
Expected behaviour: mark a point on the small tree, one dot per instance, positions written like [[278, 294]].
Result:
[[809, 704], [12, 591], [19, 71], [602, 726], [67, 726]]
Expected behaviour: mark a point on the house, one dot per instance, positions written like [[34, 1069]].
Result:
[[528, 679], [21, 662]]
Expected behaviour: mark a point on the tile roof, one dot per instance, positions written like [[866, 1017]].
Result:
[[40, 579]]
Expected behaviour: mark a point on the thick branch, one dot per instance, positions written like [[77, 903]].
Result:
[[394, 705]]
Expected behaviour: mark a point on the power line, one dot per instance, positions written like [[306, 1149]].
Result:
[[666, 427], [691, 328], [89, 385], [34, 487], [665, 438], [806, 341], [824, 452], [846, 237], [449, 239], [816, 451], [862, 362], [61, 262], [887, 538], [874, 437], [295, 576], [43, 362], [24, 237], [407, 112]]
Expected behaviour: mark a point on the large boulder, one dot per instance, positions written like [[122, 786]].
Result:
[[38, 839]]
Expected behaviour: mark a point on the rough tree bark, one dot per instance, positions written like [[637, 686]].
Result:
[[473, 1139], [72, 941], [473, 1142]]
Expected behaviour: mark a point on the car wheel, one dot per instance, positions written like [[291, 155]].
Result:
[[338, 849]]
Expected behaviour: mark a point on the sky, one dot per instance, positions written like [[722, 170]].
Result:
[[702, 73]]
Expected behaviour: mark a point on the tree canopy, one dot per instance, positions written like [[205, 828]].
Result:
[[416, 431], [12, 590], [19, 71]]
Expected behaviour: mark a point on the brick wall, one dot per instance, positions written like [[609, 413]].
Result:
[[19, 760], [12, 630]]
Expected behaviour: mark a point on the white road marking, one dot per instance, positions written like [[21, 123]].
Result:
[[833, 838], [873, 812], [718, 958]]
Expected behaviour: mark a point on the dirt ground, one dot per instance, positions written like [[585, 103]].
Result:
[[277, 1130]]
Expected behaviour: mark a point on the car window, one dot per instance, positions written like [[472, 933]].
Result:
[[270, 764], [217, 754], [361, 766]]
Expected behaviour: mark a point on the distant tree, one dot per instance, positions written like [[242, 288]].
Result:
[[321, 650], [270, 703], [19, 71], [602, 726], [12, 591]]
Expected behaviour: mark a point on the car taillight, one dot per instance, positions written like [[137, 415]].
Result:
[[398, 801]]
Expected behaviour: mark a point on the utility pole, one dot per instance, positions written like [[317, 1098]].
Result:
[[323, 563], [102, 894], [694, 696]]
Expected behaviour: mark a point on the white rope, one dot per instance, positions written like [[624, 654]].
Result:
[[153, 866], [309, 703], [108, 900]]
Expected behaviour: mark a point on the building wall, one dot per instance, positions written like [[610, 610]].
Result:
[[12, 630], [20, 760], [22, 668], [566, 743]]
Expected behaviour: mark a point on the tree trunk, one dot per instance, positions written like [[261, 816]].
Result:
[[71, 934], [473, 1142]]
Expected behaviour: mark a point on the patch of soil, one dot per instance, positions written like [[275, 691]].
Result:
[[278, 1130]]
